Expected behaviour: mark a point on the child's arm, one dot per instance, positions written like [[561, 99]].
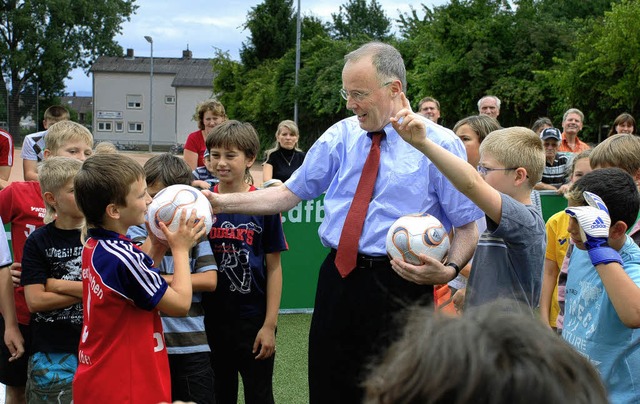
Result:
[[266, 338], [200, 282], [12, 336], [549, 281], [623, 292], [30, 170], [177, 298], [267, 172], [38, 299], [65, 287], [462, 175]]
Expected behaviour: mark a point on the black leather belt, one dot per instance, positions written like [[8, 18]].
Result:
[[369, 261]]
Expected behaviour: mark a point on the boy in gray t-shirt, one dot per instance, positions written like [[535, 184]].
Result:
[[510, 256]]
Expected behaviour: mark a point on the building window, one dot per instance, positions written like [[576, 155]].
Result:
[[134, 101], [135, 127], [119, 126], [169, 99], [105, 126]]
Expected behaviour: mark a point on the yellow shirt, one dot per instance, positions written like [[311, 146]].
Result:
[[557, 244]]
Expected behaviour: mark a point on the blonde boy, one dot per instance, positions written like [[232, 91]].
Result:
[[21, 204], [33, 145], [509, 257], [53, 287]]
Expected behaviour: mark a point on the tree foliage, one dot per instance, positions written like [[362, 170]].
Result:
[[540, 57], [357, 19], [272, 28], [605, 65], [41, 41]]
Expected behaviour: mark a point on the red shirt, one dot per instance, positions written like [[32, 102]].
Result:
[[579, 148], [195, 143], [6, 149], [122, 355], [21, 205]]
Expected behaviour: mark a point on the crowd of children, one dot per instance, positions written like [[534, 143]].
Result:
[[106, 312]]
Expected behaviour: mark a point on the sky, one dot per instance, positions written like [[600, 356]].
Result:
[[205, 25]]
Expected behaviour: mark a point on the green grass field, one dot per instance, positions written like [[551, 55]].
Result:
[[290, 374]]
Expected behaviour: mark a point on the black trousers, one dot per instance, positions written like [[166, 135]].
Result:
[[354, 321]]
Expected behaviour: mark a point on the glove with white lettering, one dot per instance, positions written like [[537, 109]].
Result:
[[594, 224]]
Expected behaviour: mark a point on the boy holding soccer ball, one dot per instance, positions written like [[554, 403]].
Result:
[[187, 345], [122, 353], [601, 318], [509, 257]]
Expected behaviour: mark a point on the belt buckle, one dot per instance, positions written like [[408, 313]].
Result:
[[364, 262]]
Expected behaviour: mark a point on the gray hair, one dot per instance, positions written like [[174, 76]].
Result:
[[385, 58], [573, 111], [489, 96]]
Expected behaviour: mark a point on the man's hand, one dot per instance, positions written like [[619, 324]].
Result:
[[429, 272], [214, 200], [594, 224]]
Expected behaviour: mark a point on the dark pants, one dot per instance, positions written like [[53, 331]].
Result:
[[231, 344], [192, 377], [354, 320]]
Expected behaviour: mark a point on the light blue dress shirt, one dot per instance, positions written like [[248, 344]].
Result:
[[407, 182]]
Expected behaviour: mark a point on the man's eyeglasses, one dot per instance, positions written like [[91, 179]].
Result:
[[359, 95], [484, 170]]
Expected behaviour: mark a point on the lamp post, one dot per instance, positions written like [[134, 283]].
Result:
[[150, 40]]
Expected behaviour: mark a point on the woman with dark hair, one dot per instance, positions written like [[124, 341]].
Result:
[[624, 123]]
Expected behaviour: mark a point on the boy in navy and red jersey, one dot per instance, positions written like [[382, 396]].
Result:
[[242, 315], [122, 353]]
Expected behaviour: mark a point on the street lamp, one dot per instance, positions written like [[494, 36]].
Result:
[[150, 40]]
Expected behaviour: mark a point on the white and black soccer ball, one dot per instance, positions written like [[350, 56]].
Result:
[[414, 234], [169, 202]]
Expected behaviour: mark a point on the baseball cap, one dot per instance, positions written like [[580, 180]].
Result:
[[551, 133]]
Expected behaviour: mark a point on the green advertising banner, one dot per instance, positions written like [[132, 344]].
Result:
[[300, 265]]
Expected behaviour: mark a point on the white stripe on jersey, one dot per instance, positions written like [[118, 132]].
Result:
[[134, 261]]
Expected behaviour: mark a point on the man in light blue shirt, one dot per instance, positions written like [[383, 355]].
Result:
[[355, 316]]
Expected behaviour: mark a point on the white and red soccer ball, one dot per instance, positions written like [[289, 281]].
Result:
[[169, 202], [415, 234]]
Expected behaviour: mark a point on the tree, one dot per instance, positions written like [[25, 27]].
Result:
[[41, 41], [600, 75], [463, 50], [356, 19], [272, 27]]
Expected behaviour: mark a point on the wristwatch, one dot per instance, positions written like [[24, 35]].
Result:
[[454, 266]]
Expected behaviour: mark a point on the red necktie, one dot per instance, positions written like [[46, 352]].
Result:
[[347, 254]]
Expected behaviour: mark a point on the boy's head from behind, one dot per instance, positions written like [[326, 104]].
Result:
[[55, 113], [55, 174], [69, 139], [622, 151], [164, 170], [103, 180], [617, 189], [516, 147], [235, 135]]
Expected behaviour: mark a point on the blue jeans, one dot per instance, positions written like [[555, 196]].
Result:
[[192, 377]]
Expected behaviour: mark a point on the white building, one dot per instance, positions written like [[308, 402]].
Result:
[[121, 94]]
